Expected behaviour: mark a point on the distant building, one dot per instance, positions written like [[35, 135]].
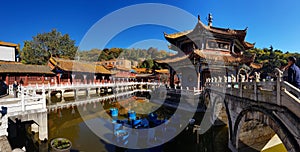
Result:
[[134, 63], [120, 63], [9, 51], [120, 68]]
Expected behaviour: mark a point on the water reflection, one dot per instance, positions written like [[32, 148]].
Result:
[[69, 123]]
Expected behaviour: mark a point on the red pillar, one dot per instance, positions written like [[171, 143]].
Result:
[[158, 78], [7, 79], [69, 78], [102, 79], [95, 79], [58, 78], [84, 79], [43, 79], [26, 80]]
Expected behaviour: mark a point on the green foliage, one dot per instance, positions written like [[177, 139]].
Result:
[[60, 143], [143, 56], [43, 45], [132, 54], [149, 63], [91, 55], [271, 59]]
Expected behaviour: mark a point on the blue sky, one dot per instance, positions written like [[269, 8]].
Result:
[[269, 22]]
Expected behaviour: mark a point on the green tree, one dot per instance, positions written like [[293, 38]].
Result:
[[271, 59], [104, 55], [147, 64], [43, 45]]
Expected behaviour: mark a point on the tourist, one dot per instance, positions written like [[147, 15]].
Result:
[[293, 72], [21, 82], [15, 89]]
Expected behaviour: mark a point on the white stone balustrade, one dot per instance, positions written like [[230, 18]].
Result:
[[265, 91]]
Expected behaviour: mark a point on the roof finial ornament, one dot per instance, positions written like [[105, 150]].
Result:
[[199, 18], [210, 19]]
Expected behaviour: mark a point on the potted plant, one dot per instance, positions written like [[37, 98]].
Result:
[[60, 145]]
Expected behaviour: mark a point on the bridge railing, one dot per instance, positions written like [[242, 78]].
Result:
[[92, 85], [24, 103], [292, 90], [276, 92], [290, 97], [262, 91]]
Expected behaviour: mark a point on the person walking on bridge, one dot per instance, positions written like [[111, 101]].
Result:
[[293, 72]]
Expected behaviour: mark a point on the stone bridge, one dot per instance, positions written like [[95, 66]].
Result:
[[32, 104], [244, 106]]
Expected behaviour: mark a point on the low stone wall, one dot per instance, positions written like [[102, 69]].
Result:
[[255, 135]]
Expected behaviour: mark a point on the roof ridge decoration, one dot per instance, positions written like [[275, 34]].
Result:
[[239, 34], [78, 66], [210, 28]]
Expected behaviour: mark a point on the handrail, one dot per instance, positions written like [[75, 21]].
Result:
[[277, 92], [92, 85], [291, 90], [28, 97]]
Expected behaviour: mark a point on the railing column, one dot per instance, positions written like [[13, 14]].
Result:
[[88, 91], [62, 96], [241, 89], [44, 97], [49, 96], [22, 99], [255, 90], [278, 86]]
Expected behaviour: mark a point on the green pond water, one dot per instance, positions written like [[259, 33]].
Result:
[[69, 123]]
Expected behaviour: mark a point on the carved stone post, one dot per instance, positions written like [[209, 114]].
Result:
[[62, 96], [279, 75]]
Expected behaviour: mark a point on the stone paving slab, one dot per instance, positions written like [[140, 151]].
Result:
[[7, 96], [4, 145]]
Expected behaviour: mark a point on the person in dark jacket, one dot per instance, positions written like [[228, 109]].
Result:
[[15, 89], [293, 72]]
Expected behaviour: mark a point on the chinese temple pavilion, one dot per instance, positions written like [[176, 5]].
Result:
[[25, 74], [206, 51], [71, 71]]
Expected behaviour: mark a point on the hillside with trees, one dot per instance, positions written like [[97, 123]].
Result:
[[271, 58], [144, 56], [130, 54]]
